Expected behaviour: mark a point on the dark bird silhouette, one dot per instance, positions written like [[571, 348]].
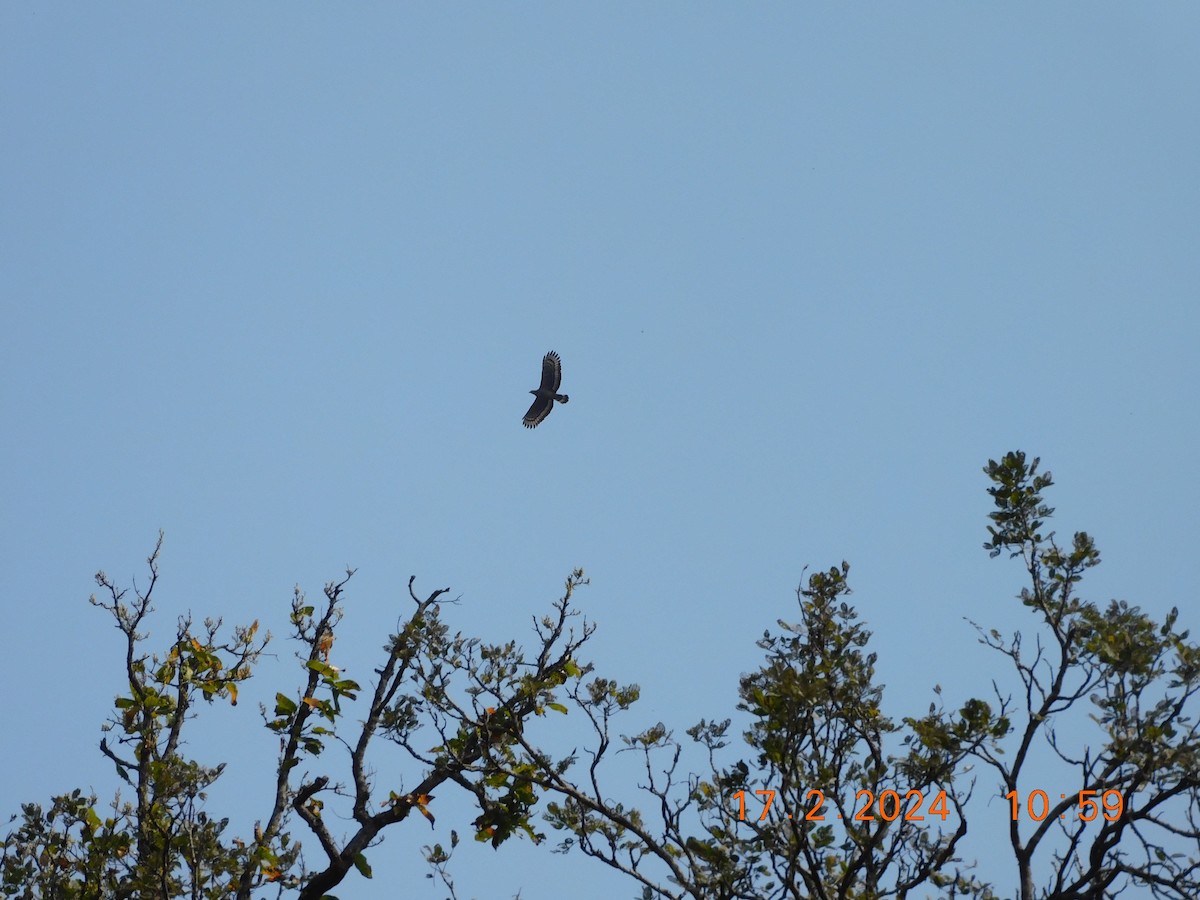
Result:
[[547, 391]]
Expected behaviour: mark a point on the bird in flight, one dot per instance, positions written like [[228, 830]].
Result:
[[547, 391]]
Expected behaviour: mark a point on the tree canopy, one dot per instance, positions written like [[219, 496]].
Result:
[[815, 792]]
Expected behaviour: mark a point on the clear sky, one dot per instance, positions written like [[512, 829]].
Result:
[[276, 279]]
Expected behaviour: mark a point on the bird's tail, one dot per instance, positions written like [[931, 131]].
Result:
[[561, 398]]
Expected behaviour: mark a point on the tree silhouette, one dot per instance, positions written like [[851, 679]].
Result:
[[816, 792], [1136, 793], [817, 736]]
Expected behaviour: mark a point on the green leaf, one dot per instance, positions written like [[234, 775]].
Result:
[[360, 863]]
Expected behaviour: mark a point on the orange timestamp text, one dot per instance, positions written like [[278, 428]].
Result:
[[888, 804], [1091, 805]]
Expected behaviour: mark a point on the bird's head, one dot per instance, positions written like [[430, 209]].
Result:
[[534, 393]]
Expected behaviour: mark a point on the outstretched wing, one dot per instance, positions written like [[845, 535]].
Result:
[[551, 375], [538, 411], [547, 391]]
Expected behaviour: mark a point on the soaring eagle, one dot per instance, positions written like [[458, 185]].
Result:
[[547, 391]]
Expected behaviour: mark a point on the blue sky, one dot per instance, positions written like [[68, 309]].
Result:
[[277, 279]]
